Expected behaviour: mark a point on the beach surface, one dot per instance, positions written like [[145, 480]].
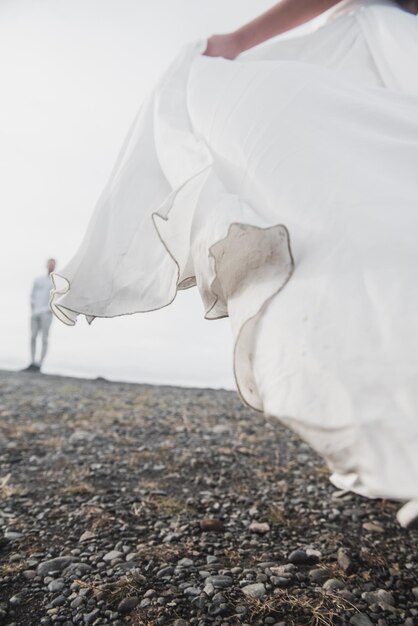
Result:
[[157, 505]]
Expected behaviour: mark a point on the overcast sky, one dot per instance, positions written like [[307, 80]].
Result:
[[73, 74]]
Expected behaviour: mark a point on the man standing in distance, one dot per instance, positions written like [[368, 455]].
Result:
[[41, 316]]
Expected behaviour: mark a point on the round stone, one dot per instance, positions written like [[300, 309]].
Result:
[[128, 604], [255, 590], [333, 584]]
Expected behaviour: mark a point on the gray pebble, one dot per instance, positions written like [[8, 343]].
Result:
[[345, 561], [128, 604], [16, 599], [361, 619], [78, 568], [54, 565], [333, 584], [209, 589], [319, 576], [299, 557], [165, 571], [77, 602], [112, 555], [281, 581], [347, 595], [89, 618], [219, 582], [58, 601], [379, 596], [56, 585], [192, 591], [211, 559], [12, 535], [256, 590]]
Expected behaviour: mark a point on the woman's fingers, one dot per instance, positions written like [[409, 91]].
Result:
[[222, 46]]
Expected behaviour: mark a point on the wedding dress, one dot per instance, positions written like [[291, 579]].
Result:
[[284, 185]]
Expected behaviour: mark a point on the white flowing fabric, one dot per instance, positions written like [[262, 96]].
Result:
[[284, 185]]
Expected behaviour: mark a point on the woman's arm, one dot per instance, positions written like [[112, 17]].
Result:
[[281, 17]]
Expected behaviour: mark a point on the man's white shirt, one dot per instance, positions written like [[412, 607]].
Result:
[[41, 294]]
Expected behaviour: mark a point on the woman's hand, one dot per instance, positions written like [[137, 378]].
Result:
[[283, 16], [226, 46]]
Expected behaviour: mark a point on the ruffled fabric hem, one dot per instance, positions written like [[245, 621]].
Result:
[[274, 258]]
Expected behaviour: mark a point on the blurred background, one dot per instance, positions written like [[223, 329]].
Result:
[[73, 74]]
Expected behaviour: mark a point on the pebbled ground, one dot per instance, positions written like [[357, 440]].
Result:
[[151, 505]]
